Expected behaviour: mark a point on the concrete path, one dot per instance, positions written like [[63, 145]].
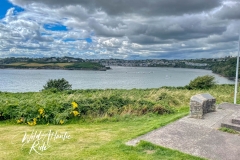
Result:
[[199, 137]]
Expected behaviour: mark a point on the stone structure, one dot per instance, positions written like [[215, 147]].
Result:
[[201, 104]]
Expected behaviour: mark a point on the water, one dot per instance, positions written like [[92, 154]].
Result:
[[18, 80]]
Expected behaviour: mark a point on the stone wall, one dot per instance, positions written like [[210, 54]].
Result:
[[201, 104]]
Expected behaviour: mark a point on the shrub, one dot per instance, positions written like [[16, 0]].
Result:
[[202, 82], [57, 85], [35, 108]]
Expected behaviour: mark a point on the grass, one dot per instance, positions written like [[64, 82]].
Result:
[[101, 136], [79, 65], [40, 64], [92, 140], [47, 64], [228, 130], [102, 103]]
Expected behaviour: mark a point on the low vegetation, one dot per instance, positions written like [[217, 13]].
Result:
[[228, 130], [60, 107]]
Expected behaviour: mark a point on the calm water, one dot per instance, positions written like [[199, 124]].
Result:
[[15, 80]]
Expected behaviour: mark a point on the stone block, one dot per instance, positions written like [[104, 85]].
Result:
[[201, 104], [236, 120], [235, 127]]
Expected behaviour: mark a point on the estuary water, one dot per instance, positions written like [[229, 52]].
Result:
[[20, 80]]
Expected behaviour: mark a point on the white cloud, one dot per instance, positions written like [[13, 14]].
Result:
[[127, 29]]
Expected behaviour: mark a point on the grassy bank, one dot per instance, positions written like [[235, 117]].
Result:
[[106, 119], [55, 65], [49, 107]]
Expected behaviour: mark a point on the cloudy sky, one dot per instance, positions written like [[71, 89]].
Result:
[[129, 29]]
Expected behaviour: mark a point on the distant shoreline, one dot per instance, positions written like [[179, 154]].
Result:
[[222, 66], [54, 69], [56, 66]]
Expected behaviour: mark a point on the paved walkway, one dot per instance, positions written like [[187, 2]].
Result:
[[199, 137]]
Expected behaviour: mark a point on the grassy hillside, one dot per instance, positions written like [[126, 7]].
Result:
[[226, 68], [46, 65]]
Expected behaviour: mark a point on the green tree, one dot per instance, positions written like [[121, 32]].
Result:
[[57, 84], [202, 82]]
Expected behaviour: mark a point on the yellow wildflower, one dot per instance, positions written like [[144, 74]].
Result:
[[61, 121], [75, 113], [74, 105], [41, 111], [20, 120], [32, 123]]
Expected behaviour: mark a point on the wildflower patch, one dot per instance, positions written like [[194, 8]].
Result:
[[70, 106]]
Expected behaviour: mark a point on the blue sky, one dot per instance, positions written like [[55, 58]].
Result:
[[55, 27], [5, 5], [136, 29]]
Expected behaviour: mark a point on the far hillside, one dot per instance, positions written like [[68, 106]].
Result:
[[51, 63], [226, 68]]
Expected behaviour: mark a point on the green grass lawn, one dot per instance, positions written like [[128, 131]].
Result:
[[91, 140]]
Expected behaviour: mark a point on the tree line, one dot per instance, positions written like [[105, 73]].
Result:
[[225, 68]]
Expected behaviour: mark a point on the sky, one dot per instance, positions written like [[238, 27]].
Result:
[[122, 29]]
